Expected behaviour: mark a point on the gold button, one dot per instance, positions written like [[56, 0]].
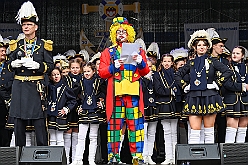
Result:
[[117, 74], [135, 75], [22, 70], [33, 71], [2, 78]]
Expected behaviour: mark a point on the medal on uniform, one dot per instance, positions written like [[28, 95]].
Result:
[[151, 100], [197, 82], [89, 100], [53, 106], [150, 91], [175, 89]]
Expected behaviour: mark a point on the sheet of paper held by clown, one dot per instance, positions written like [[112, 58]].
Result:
[[128, 51]]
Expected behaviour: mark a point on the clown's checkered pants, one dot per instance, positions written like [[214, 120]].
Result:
[[126, 109]]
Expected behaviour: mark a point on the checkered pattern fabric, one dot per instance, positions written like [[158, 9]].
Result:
[[126, 109]]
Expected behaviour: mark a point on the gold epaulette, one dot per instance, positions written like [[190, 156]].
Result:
[[48, 44], [13, 45]]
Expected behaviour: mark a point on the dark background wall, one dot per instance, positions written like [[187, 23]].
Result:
[[162, 21]]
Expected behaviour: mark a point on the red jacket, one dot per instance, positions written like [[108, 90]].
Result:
[[104, 72]]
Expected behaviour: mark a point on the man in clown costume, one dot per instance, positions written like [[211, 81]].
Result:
[[124, 95]]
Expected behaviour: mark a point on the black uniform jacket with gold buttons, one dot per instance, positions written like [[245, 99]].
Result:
[[26, 96], [42, 54], [6, 81], [233, 89]]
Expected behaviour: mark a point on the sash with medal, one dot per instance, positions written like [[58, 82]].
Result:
[[198, 77]]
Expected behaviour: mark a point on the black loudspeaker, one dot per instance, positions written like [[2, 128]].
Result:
[[234, 153], [43, 155], [9, 155], [195, 154]]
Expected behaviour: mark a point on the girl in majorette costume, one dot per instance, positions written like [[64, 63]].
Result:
[[151, 115], [90, 112], [202, 101], [73, 81], [236, 98], [61, 100], [167, 93]]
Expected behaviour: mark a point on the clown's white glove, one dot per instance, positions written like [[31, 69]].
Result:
[[32, 65], [117, 64], [139, 59], [16, 63]]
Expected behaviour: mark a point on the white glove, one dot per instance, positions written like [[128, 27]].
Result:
[[186, 89], [66, 110], [32, 65], [117, 64], [216, 86], [16, 63], [80, 110], [139, 59]]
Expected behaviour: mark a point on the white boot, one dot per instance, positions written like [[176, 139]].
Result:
[[145, 148], [28, 138], [77, 162], [241, 133], [230, 134], [59, 138], [121, 141], [150, 161], [209, 135], [150, 140], [74, 143], [52, 138], [67, 142], [168, 141], [12, 142], [194, 137], [202, 134], [93, 143]]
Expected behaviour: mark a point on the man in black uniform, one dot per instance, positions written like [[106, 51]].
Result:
[[30, 59], [6, 79], [217, 51]]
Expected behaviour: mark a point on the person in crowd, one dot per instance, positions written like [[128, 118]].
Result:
[[167, 92], [30, 58], [5, 92], [217, 51], [90, 115], [61, 100], [202, 101], [151, 114], [73, 80], [236, 98], [124, 93], [96, 61], [180, 56]]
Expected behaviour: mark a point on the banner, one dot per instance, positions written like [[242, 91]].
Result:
[[229, 30], [10, 29]]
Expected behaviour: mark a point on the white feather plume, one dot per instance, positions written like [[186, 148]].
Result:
[[212, 33], [96, 56], [59, 57], [85, 55], [154, 47], [27, 9], [199, 34], [70, 52], [141, 43], [179, 53], [1, 38], [21, 36]]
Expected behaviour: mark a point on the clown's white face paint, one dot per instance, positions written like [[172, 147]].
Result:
[[121, 35]]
